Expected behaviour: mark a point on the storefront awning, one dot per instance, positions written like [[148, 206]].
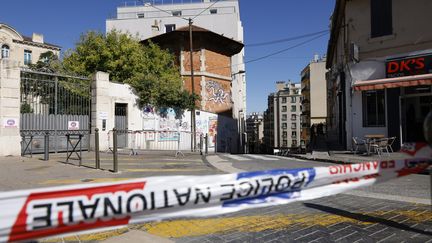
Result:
[[386, 83]]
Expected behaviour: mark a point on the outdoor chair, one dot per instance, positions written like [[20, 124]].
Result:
[[390, 143], [380, 146], [357, 142]]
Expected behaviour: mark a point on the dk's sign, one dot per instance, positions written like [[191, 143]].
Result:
[[409, 66]]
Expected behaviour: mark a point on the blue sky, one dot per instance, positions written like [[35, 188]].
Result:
[[62, 22]]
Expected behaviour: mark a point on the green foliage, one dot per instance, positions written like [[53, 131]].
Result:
[[48, 62], [149, 70]]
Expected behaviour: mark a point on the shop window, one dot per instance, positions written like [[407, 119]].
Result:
[[169, 27], [381, 18], [5, 51], [27, 57], [373, 105]]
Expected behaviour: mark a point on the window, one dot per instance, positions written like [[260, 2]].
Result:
[[284, 100], [373, 108], [284, 143], [284, 134], [27, 57], [176, 13], [293, 99], [294, 134], [140, 15], [5, 51], [293, 117], [381, 18], [284, 125], [169, 27], [293, 108], [293, 125], [294, 143], [284, 108], [213, 11], [284, 117]]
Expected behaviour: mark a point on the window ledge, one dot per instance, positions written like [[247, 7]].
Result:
[[382, 38]]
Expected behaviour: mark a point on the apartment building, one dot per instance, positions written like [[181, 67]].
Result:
[[147, 19], [282, 116], [379, 58], [314, 93], [22, 49], [255, 133]]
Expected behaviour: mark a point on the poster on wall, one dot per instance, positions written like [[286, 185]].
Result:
[[212, 131], [10, 122], [169, 136]]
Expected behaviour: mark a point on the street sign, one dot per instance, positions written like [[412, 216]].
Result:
[[10, 122], [73, 125]]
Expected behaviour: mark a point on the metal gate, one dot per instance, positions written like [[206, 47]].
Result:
[[54, 106], [121, 124]]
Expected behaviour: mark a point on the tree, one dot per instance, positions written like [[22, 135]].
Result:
[[150, 70]]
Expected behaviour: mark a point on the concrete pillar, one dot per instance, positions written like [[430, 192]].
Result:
[[10, 139], [101, 110]]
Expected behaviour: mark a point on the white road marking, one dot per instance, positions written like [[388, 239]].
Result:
[[262, 157], [236, 157]]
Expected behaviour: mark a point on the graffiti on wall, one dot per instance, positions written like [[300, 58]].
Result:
[[216, 92]]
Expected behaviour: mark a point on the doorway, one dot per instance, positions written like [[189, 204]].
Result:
[[414, 109], [121, 124]]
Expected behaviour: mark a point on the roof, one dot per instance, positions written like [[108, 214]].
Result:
[[30, 40], [224, 44]]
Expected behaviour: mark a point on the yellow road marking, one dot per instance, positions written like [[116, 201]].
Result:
[[247, 224]]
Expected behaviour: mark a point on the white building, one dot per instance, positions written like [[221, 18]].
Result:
[[146, 19]]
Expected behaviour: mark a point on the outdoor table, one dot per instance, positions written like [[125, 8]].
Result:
[[370, 139]]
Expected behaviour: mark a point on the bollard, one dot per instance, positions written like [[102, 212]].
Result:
[[206, 144], [46, 144], [115, 169], [215, 145], [97, 148], [427, 130], [80, 144], [201, 144]]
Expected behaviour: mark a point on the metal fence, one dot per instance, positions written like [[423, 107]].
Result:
[[54, 105], [157, 140]]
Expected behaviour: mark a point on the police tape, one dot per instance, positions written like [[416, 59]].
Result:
[[38, 213]]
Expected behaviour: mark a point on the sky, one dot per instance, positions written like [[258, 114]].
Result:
[[62, 23]]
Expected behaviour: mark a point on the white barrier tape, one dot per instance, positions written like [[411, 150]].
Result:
[[32, 214]]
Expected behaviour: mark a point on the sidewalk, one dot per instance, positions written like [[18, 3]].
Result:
[[346, 157]]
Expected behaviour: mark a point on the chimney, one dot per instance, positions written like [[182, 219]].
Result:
[[38, 38], [280, 85]]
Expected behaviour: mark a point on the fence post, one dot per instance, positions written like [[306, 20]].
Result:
[[206, 144], [97, 148], [115, 158], [46, 146]]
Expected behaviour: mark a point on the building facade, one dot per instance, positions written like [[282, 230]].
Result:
[[255, 133], [22, 49], [147, 19], [282, 117], [379, 79], [314, 93]]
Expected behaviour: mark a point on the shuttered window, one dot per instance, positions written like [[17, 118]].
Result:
[[381, 18]]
